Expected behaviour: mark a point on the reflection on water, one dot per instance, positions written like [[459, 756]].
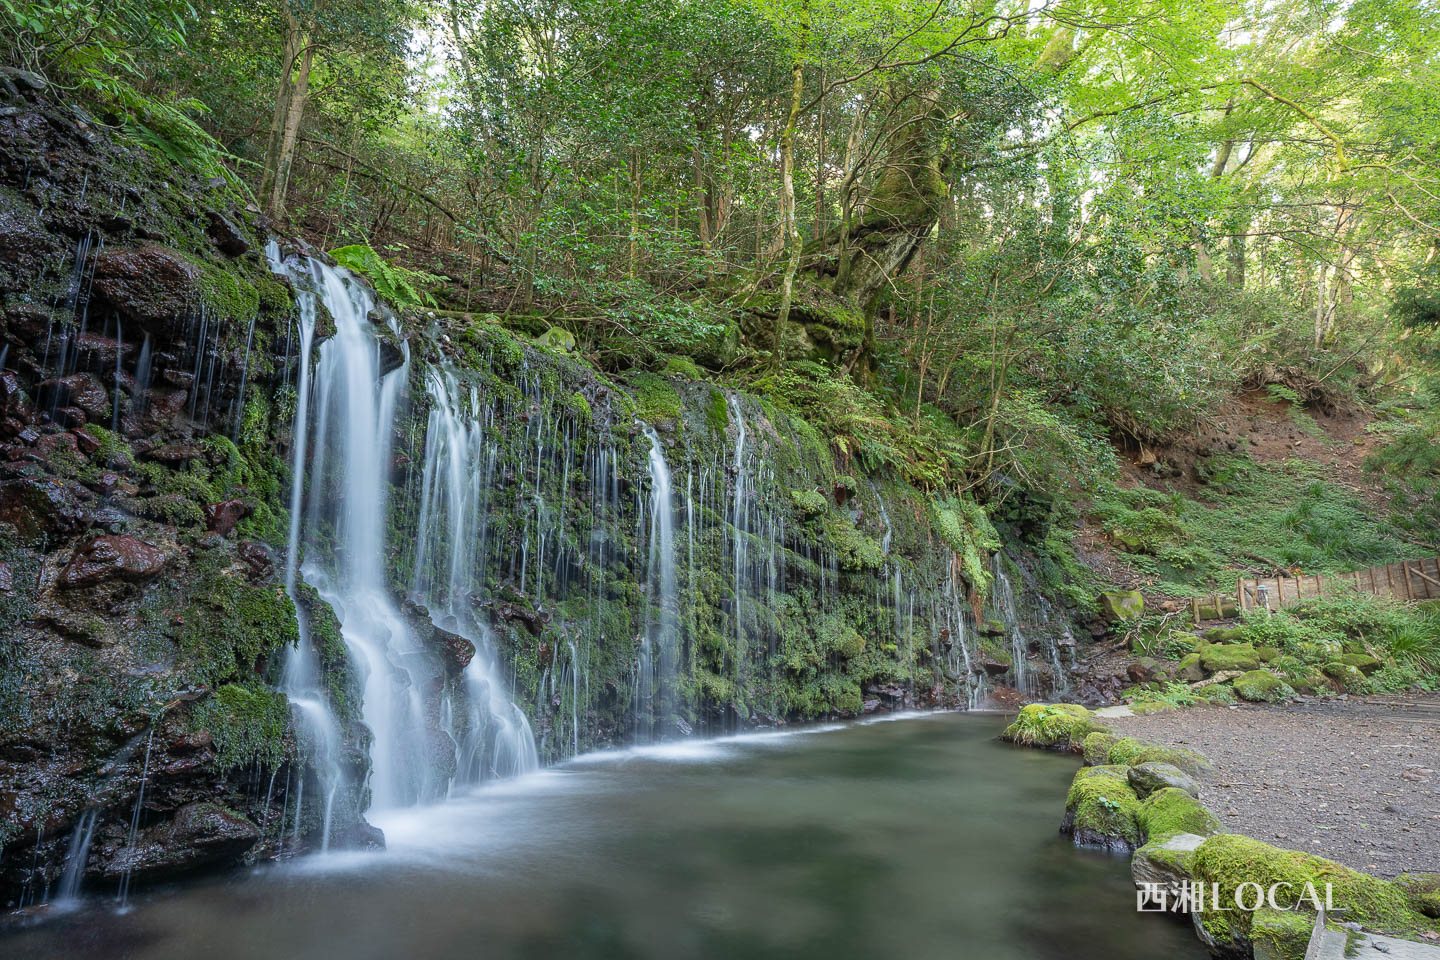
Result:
[[917, 838]]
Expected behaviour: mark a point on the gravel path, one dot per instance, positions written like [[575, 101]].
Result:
[[1354, 780]]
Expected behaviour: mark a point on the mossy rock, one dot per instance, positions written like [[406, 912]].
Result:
[[1262, 686], [1190, 669], [1266, 654], [558, 339], [1363, 662], [1229, 860], [1170, 811], [1423, 889], [1147, 778], [1280, 934], [1122, 605], [1102, 810], [1055, 726], [1220, 694], [808, 503], [1230, 656], [1096, 748], [1225, 635], [1131, 751], [1346, 677]]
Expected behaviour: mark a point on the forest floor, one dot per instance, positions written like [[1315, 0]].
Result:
[[1270, 432], [1352, 779]]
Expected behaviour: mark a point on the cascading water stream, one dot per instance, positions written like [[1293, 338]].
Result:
[[495, 738], [662, 630]]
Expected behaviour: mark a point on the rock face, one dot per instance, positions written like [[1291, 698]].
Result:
[[152, 286], [137, 647], [110, 557], [199, 835]]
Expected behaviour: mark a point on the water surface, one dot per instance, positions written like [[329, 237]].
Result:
[[915, 838]]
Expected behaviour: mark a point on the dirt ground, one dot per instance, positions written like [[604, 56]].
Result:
[[1356, 780]]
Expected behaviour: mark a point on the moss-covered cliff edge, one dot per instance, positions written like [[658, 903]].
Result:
[[149, 381]]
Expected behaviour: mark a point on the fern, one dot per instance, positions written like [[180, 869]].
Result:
[[399, 286], [965, 528]]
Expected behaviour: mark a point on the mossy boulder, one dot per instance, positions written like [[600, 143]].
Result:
[[1055, 726], [1096, 748], [1229, 656], [1147, 778], [1262, 686], [1266, 654], [1133, 751], [557, 338], [1122, 605], [1363, 662], [1219, 694], [1225, 635], [1230, 860], [1346, 677], [1170, 811], [1102, 810], [1190, 669], [1165, 861]]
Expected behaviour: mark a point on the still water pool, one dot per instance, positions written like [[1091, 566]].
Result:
[[914, 837]]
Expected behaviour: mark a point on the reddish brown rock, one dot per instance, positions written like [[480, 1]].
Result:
[[42, 506], [111, 557], [14, 402], [83, 390], [455, 651], [221, 517], [175, 452], [152, 286]]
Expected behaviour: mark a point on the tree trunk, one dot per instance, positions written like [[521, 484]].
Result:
[[787, 213], [290, 98]]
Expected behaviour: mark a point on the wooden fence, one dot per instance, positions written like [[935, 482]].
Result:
[[1408, 580]]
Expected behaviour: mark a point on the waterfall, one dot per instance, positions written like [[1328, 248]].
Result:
[[738, 532], [495, 736], [662, 628], [301, 681]]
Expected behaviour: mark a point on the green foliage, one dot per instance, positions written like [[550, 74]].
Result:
[[1168, 695], [400, 286], [1277, 516], [964, 527]]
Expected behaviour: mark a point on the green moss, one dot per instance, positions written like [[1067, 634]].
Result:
[[656, 401], [1423, 889], [233, 626], [717, 412], [579, 406], [1363, 662], [1225, 635], [1230, 656], [855, 550], [228, 292], [682, 367], [247, 724], [1219, 694], [1280, 934], [1170, 811], [1096, 748], [1230, 860], [808, 502], [1102, 809], [1131, 751], [966, 529], [1056, 725], [1262, 686], [1345, 676]]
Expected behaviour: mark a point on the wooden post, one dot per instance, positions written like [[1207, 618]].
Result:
[[1390, 580], [1195, 609], [1240, 589], [1405, 579], [1319, 586]]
